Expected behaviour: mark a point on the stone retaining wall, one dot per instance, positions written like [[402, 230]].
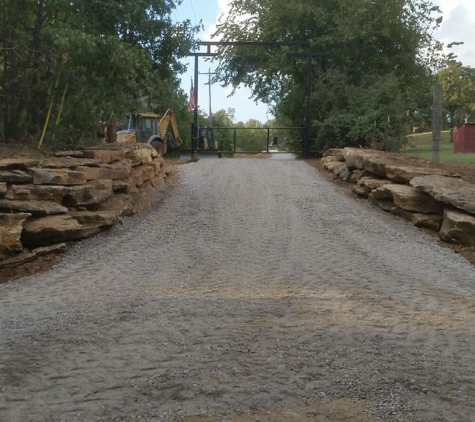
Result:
[[74, 195], [426, 197]]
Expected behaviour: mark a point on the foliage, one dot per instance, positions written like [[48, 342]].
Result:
[[420, 145], [383, 56], [458, 84], [105, 58]]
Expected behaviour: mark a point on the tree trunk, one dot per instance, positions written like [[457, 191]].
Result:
[[112, 132]]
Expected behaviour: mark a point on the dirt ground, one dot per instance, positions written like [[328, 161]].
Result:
[[256, 291]]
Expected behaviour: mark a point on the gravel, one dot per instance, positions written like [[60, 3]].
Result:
[[255, 286]]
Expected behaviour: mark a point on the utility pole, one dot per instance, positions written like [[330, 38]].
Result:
[[209, 73], [437, 122]]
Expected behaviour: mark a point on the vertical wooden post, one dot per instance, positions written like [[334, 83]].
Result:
[[437, 123]]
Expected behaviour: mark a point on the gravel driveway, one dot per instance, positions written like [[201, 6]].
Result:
[[257, 291]]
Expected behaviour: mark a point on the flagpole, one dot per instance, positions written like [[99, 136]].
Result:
[[195, 119]]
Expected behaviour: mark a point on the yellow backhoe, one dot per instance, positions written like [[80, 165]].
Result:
[[161, 133]]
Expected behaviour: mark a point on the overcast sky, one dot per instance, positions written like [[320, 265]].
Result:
[[458, 25]]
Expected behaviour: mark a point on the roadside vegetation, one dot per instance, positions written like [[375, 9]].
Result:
[[80, 66], [420, 145]]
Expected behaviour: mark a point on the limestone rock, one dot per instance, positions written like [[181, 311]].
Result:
[[50, 230], [376, 165], [94, 192], [355, 176], [121, 186], [57, 177], [117, 170], [354, 157], [458, 227], [75, 154], [140, 156], [335, 152], [67, 162], [104, 155], [29, 256], [328, 159], [158, 181], [3, 188], [88, 194], [33, 207], [11, 226], [120, 205], [372, 183], [361, 191], [426, 221], [382, 193], [448, 190], [386, 205], [404, 174], [95, 219], [409, 199], [15, 176], [155, 165], [142, 174], [17, 163], [334, 167]]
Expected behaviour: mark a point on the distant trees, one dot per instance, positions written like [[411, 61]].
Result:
[[87, 61], [458, 84], [380, 70]]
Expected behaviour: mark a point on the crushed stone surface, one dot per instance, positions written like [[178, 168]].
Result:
[[256, 287]]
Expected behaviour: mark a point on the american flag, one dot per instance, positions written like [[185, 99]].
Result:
[[192, 100]]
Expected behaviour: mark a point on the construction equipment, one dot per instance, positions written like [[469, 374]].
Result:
[[147, 128]]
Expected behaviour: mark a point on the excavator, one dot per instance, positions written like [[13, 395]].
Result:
[[161, 133]]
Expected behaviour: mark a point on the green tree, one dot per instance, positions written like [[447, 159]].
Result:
[[101, 57], [458, 84], [382, 56]]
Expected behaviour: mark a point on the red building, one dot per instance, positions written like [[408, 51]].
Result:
[[464, 139]]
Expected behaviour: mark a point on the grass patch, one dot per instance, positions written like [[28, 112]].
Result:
[[420, 145]]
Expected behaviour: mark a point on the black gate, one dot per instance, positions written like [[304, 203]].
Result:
[[230, 141]]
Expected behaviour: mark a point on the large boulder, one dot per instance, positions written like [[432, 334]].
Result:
[[361, 191], [95, 219], [33, 207], [335, 167], [50, 230], [141, 174], [89, 194], [372, 183], [376, 165], [140, 156], [67, 162], [448, 190], [29, 256], [57, 177], [328, 159], [409, 199], [458, 227], [94, 192], [17, 163], [15, 176], [104, 155], [11, 226], [120, 205], [335, 152], [118, 170], [404, 174], [426, 221], [75, 154], [3, 188], [354, 157]]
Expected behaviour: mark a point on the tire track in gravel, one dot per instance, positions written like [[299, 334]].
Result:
[[255, 286]]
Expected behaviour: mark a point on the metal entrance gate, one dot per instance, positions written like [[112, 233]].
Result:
[[250, 140]]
